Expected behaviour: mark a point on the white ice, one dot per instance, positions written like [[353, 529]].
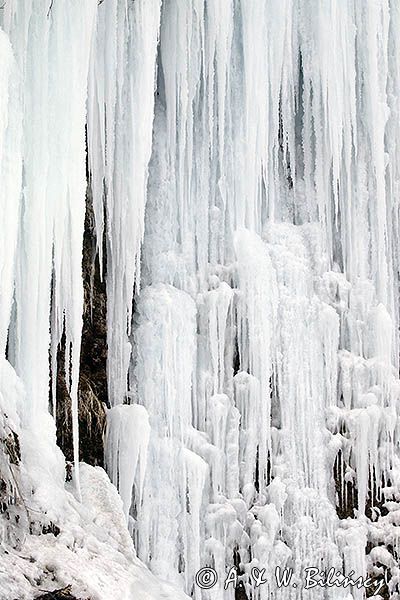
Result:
[[244, 160]]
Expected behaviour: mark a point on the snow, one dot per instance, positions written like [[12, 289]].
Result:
[[93, 552], [244, 161]]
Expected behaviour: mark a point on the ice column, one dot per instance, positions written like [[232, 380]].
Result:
[[52, 47]]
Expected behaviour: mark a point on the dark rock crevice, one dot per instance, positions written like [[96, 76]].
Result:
[[93, 397], [62, 594]]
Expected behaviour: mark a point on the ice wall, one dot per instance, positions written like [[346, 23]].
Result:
[[272, 206], [244, 163], [55, 533]]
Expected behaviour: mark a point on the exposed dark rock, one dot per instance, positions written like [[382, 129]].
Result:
[[51, 528], [93, 363], [240, 593], [12, 507], [346, 491], [12, 448], [384, 592], [94, 333], [375, 500], [63, 594]]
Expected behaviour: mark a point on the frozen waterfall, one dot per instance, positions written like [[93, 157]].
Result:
[[243, 161]]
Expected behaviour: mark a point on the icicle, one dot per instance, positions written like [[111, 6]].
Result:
[[53, 203], [128, 432], [165, 339], [256, 318], [120, 120], [10, 173]]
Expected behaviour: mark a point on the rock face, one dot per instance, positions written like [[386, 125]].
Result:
[[93, 374], [64, 594]]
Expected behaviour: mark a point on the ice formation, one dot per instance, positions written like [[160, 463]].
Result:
[[244, 161]]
